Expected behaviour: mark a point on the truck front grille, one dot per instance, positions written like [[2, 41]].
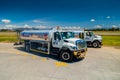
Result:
[[81, 44]]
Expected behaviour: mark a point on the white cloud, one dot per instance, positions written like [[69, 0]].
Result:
[[6, 21], [92, 20], [114, 26], [36, 21], [27, 26], [41, 26], [108, 17], [16, 26], [98, 26], [11, 26], [71, 27]]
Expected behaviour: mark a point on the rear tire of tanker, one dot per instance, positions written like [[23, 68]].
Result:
[[27, 48], [66, 56]]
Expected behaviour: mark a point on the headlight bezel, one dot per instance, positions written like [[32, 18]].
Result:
[[74, 47]]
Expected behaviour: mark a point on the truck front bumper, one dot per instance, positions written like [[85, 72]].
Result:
[[80, 53]]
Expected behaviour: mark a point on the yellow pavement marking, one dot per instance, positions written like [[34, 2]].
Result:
[[61, 64], [33, 57], [21, 53], [17, 53], [44, 59], [24, 54]]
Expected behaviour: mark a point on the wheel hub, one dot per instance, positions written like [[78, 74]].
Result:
[[65, 56], [95, 44]]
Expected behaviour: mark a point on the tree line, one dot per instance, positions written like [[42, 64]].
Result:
[[103, 29], [93, 29]]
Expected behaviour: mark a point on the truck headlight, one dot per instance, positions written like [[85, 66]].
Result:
[[74, 47]]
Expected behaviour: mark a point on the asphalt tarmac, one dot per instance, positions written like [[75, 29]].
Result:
[[99, 64]]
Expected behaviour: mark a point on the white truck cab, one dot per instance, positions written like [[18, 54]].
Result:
[[90, 38], [56, 41]]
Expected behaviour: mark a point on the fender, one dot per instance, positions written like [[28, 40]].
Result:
[[64, 48], [97, 41]]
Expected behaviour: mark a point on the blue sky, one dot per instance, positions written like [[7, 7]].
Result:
[[51, 13]]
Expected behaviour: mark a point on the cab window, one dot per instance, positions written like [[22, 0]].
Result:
[[88, 34], [57, 36]]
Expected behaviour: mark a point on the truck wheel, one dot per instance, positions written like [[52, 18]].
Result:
[[27, 48], [95, 44], [66, 56]]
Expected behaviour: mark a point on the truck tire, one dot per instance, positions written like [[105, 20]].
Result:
[[96, 44], [27, 48], [66, 56]]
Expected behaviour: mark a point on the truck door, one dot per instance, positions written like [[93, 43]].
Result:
[[57, 41], [88, 36]]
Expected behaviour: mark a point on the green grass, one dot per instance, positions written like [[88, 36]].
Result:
[[108, 40], [111, 40], [107, 32], [8, 37]]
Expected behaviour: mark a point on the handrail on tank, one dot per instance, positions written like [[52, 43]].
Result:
[[50, 28], [73, 28], [62, 28]]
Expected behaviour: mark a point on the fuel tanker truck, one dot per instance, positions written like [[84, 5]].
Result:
[[56, 42], [91, 39]]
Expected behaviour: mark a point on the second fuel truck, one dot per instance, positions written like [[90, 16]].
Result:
[[88, 36]]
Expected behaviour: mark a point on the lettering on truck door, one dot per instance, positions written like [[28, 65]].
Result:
[[57, 41], [88, 36]]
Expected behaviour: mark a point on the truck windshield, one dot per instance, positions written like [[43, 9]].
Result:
[[67, 35], [91, 33]]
